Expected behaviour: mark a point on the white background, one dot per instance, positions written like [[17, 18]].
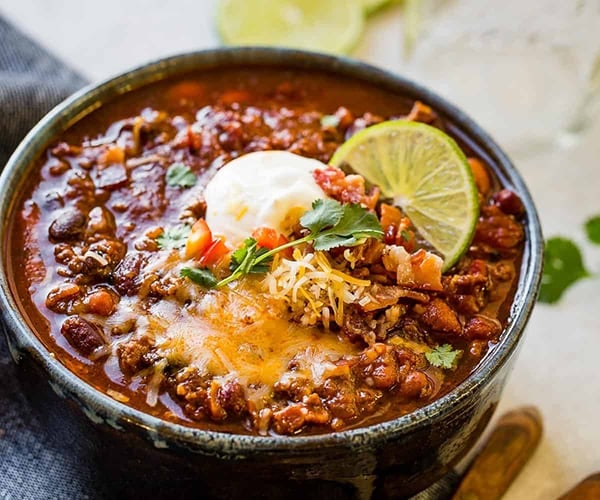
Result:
[[521, 92]]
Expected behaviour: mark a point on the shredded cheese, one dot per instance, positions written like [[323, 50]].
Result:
[[314, 289]]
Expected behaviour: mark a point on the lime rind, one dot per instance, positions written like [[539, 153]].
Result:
[[425, 172], [322, 25]]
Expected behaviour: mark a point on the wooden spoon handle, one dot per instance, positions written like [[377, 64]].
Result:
[[588, 489], [507, 450]]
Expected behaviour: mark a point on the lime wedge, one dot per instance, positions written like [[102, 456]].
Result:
[[426, 174], [325, 25]]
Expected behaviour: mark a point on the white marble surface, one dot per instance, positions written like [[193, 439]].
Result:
[[521, 94]]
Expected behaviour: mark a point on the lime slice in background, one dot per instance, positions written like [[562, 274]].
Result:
[[426, 174], [325, 25], [372, 6]]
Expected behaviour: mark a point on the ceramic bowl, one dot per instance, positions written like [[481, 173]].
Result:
[[388, 460]]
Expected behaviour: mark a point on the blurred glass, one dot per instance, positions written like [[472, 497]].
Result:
[[528, 71]]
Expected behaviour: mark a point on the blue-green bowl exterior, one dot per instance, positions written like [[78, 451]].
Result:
[[394, 457]]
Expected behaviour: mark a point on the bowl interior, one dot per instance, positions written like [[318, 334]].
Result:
[[112, 412]]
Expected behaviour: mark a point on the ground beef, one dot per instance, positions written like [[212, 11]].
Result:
[[136, 354]]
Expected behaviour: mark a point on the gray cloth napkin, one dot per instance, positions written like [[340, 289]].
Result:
[[31, 465], [31, 82]]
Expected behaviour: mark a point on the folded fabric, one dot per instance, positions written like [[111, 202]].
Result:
[[31, 82]]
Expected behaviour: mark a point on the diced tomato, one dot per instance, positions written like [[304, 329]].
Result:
[[214, 253], [270, 238], [199, 239], [266, 237], [396, 228]]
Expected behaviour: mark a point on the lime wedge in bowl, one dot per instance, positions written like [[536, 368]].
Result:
[[324, 25], [426, 174]]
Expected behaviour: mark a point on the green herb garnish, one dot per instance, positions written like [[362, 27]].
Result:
[[592, 229], [244, 258], [330, 121], [180, 175], [174, 237], [200, 276], [444, 356], [563, 266], [331, 225]]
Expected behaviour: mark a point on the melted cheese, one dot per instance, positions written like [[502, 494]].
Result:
[[237, 333]]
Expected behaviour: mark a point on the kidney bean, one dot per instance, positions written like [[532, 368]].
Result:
[[440, 317], [498, 229], [127, 274], [58, 298], [509, 202], [477, 348], [384, 375], [345, 117], [482, 327], [68, 226], [413, 385], [84, 336]]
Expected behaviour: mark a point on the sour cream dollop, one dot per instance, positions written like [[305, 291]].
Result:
[[265, 188]]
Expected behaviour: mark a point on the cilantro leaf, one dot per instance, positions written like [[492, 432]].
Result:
[[592, 229], [244, 258], [174, 237], [180, 175], [355, 224], [201, 276], [324, 213], [330, 121], [563, 266], [444, 357]]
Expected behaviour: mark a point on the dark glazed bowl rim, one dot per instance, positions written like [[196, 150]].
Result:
[[100, 408]]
